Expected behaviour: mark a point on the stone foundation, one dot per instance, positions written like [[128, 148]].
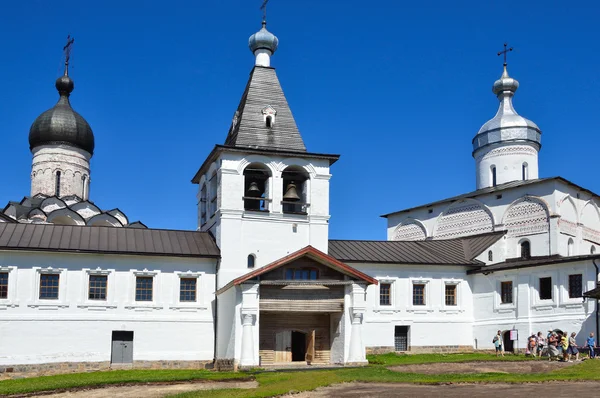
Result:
[[226, 365], [46, 369], [429, 349]]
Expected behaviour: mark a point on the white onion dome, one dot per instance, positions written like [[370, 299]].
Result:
[[507, 125], [263, 40]]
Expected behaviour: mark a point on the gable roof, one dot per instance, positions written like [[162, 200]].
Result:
[[497, 188], [250, 130], [458, 251], [309, 252], [107, 240]]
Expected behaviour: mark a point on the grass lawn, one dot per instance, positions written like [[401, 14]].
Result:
[[277, 383], [73, 380]]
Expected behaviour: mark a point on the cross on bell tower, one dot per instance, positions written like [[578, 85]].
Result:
[[504, 52], [67, 50]]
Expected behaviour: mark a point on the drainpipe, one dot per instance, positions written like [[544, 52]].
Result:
[[215, 317], [597, 315]]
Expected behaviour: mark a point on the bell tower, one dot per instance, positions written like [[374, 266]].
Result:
[[262, 194]]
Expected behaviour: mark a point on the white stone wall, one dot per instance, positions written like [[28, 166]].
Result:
[[73, 163], [76, 329], [266, 235], [528, 314], [508, 161]]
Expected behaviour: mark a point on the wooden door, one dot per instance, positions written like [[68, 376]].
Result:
[[283, 346], [310, 346]]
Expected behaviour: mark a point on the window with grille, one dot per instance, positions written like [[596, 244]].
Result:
[[450, 294], [419, 294], [143, 288], [97, 287], [506, 292], [546, 288], [490, 256], [401, 338], [301, 273], [385, 290], [49, 286], [187, 289], [575, 286], [3, 285]]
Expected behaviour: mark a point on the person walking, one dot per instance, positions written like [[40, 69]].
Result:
[[591, 345], [564, 343], [552, 346], [531, 345], [572, 350], [498, 343], [541, 342]]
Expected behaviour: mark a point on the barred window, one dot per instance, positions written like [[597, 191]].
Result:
[[419, 294], [575, 286], [506, 292], [385, 290], [3, 285], [143, 288], [49, 286], [545, 288], [450, 294], [97, 287], [187, 289]]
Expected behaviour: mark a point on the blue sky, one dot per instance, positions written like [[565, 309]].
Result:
[[399, 89]]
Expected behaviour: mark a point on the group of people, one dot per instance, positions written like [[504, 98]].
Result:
[[556, 345]]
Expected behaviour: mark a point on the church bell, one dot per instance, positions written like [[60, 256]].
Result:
[[253, 190], [291, 195]]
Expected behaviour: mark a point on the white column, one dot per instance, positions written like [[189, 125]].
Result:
[[356, 352], [247, 358]]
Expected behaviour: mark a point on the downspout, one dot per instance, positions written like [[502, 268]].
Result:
[[597, 314], [215, 323]]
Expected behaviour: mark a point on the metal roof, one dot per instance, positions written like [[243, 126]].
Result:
[[249, 129], [533, 262], [109, 240], [497, 188], [459, 251]]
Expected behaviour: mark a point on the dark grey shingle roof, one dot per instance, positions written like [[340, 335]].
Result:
[[85, 239], [537, 261], [263, 89], [460, 251]]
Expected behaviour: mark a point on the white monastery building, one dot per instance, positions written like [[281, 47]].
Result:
[[260, 282]]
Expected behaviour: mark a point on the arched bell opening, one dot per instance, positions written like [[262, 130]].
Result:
[[256, 187], [295, 190]]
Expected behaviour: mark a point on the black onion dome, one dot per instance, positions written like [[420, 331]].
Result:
[[61, 124]]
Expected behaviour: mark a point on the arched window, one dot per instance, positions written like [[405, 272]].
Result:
[[269, 120], [256, 187], [490, 256], [251, 260], [57, 185], [525, 171], [593, 249], [493, 175], [525, 250], [295, 190], [83, 188], [570, 245], [203, 201]]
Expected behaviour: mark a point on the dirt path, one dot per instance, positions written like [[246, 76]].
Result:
[[546, 390], [484, 367], [150, 390]]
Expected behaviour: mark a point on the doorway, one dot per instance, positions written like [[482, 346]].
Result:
[[298, 346], [508, 343], [122, 347], [401, 338]]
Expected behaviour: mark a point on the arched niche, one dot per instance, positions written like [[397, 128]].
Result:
[[65, 217], [295, 195], [104, 220], [590, 218], [257, 187], [568, 216], [464, 218], [410, 229], [526, 216]]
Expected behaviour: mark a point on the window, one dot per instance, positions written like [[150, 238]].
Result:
[[525, 250], [506, 292], [546, 288], [575, 286], [493, 172], [251, 261], [295, 188], [525, 171], [143, 288], [570, 247], [57, 185], [301, 273], [203, 218], [593, 249], [49, 286], [419, 294], [97, 287], [213, 194], [385, 290], [83, 188], [450, 294], [490, 256], [401, 338], [3, 285], [269, 121], [187, 289], [256, 187]]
